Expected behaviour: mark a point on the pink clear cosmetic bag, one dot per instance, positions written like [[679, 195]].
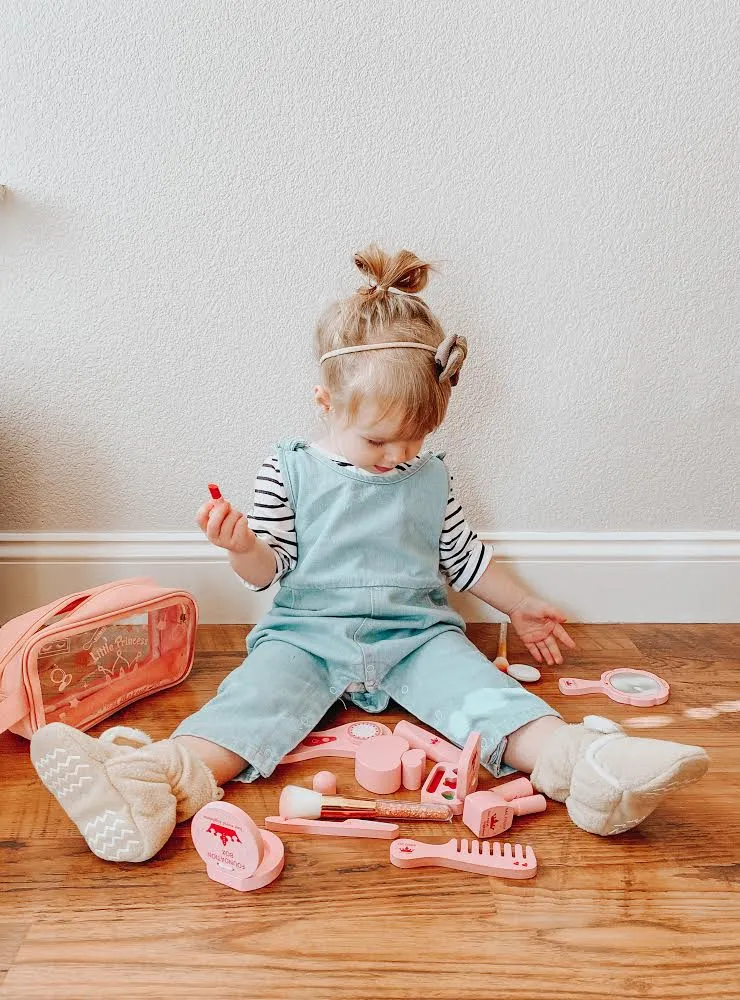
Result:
[[85, 656]]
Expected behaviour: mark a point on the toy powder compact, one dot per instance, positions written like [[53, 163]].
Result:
[[236, 852]]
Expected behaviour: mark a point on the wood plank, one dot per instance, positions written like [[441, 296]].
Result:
[[12, 933], [695, 641], [222, 638], [654, 913], [348, 930]]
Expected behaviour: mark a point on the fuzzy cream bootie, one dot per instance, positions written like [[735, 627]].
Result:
[[608, 780], [124, 793]]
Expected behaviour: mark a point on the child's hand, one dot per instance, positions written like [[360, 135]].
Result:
[[539, 626], [225, 526]]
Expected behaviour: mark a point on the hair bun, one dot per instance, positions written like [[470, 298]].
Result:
[[403, 271]]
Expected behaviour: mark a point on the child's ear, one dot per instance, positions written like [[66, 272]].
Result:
[[322, 397]]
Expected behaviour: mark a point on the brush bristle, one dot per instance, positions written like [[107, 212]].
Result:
[[299, 803]]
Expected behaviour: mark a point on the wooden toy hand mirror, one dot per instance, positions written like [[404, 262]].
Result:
[[625, 685]]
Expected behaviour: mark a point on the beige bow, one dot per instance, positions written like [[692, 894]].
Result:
[[449, 358]]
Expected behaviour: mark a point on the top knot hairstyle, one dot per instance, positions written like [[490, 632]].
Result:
[[403, 271], [364, 366]]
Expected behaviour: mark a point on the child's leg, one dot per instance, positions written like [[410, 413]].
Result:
[[523, 746], [222, 763], [126, 800], [609, 781], [449, 684], [260, 712]]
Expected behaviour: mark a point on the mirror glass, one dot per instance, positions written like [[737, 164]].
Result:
[[634, 682]]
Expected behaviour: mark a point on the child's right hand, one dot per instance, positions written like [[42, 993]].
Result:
[[225, 526]]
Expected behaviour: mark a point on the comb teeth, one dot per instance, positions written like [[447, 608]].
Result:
[[500, 851], [479, 848]]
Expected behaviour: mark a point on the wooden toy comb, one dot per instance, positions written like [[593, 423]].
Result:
[[482, 857]]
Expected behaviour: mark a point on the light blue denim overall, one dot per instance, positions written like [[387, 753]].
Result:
[[365, 613]]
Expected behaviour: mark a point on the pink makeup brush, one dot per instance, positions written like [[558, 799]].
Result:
[[303, 803]]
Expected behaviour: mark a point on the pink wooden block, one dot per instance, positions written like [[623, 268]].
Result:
[[514, 789], [368, 828], [378, 764], [529, 804], [449, 783], [487, 814], [501, 860], [433, 746], [412, 769], [340, 742], [236, 852], [324, 782]]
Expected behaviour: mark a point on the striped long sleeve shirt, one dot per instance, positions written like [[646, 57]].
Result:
[[463, 558]]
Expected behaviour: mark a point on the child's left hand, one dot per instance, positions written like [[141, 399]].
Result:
[[539, 627]]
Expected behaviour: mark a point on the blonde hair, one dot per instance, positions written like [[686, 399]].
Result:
[[403, 380]]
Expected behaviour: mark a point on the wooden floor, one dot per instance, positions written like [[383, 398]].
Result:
[[653, 913]]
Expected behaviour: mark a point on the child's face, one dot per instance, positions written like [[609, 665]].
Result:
[[371, 443]]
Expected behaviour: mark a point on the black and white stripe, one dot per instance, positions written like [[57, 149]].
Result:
[[463, 558]]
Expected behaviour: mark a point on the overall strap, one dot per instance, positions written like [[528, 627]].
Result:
[[291, 444], [283, 449]]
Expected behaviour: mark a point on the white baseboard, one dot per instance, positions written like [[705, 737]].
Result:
[[593, 577]]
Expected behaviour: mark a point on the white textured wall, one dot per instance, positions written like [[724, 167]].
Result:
[[188, 182]]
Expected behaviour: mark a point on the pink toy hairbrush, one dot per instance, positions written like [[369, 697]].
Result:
[[503, 861], [340, 742], [449, 783], [625, 685], [490, 813], [236, 852]]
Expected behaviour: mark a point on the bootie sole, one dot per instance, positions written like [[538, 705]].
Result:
[[74, 768]]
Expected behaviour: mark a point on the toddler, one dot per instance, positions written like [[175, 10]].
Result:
[[363, 529]]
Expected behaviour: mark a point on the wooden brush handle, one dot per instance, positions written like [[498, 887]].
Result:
[[501, 650]]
